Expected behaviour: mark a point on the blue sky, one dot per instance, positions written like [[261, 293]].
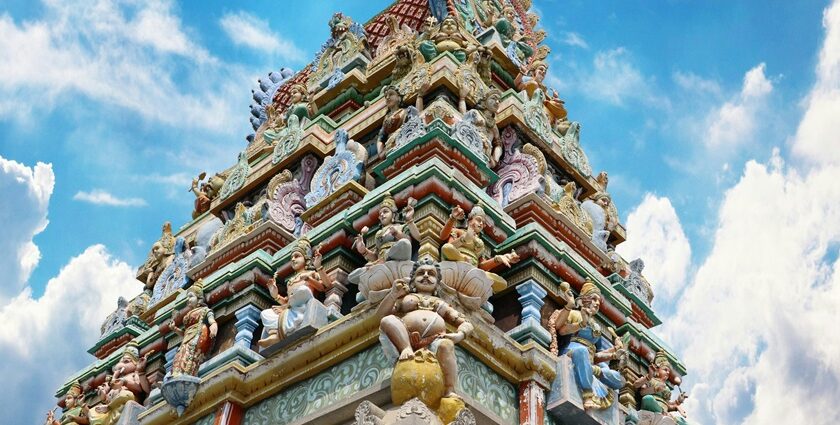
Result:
[[687, 105]]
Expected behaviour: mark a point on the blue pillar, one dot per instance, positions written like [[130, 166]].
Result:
[[170, 358], [247, 320], [531, 296]]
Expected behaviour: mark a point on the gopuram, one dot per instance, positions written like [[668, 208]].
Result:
[[412, 235]]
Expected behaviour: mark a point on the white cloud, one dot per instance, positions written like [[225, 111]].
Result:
[[654, 233], [696, 84], [615, 79], [575, 39], [26, 193], [754, 324], [101, 197], [44, 340], [247, 30], [818, 135], [125, 54], [733, 123]]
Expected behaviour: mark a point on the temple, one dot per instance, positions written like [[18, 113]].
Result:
[[413, 234]]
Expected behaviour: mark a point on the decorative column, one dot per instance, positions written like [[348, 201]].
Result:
[[229, 414], [335, 295], [531, 296], [247, 321], [531, 403]]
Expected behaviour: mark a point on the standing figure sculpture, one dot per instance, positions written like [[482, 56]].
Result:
[[484, 119], [589, 351], [198, 333], [466, 244], [396, 117], [414, 319], [393, 239], [300, 307], [75, 413]]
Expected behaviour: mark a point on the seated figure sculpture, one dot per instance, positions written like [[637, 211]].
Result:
[[589, 351], [115, 395], [300, 307], [466, 244], [656, 396], [512, 36], [446, 37], [530, 79], [414, 319], [132, 370], [393, 239], [75, 412], [300, 110]]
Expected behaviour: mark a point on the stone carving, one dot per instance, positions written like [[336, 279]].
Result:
[[513, 37], [393, 239], [236, 177], [132, 370], [201, 240], [344, 165], [299, 310], [138, 305], [401, 125], [75, 411], [161, 254], [115, 396], [449, 36], [521, 171], [530, 79], [571, 150], [480, 58], [264, 97], [368, 413], [468, 76], [181, 383], [208, 191], [637, 284], [477, 128], [569, 206], [589, 351], [465, 244], [400, 43], [657, 406], [604, 218], [243, 221], [536, 117], [413, 332], [347, 40], [174, 277], [286, 202], [115, 320]]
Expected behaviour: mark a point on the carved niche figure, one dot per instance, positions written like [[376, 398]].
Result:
[[132, 369], [392, 241], [207, 192], [396, 117], [346, 164], [656, 395], [162, 253], [530, 79], [466, 244], [286, 128], [589, 351], [198, 333], [115, 395], [75, 411], [446, 37], [347, 40], [484, 119], [604, 218], [300, 308], [413, 328], [513, 38], [569, 206]]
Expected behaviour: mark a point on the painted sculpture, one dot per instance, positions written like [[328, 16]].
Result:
[[236, 177], [522, 171], [568, 205], [448, 36], [393, 239], [466, 244], [132, 370], [530, 79], [604, 219], [413, 332], [161, 254], [656, 395], [347, 40], [483, 118], [75, 411], [174, 276], [286, 195], [345, 165], [244, 220], [589, 350], [115, 395], [299, 310], [399, 121], [513, 38], [205, 192]]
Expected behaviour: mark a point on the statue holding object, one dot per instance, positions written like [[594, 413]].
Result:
[[589, 351], [299, 308], [656, 396], [393, 239], [197, 335], [396, 117], [75, 412]]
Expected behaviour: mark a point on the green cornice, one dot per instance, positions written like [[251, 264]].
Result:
[[617, 282]]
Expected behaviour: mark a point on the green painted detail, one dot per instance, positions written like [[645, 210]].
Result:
[[503, 75], [207, 420], [362, 371], [349, 94], [486, 387], [133, 326]]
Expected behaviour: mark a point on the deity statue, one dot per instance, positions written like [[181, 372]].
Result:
[[75, 411], [480, 58], [300, 110], [513, 38], [446, 37], [589, 351], [396, 117], [197, 335], [414, 320], [484, 119], [132, 370], [466, 244], [243, 221], [569, 206], [300, 307], [347, 40], [162, 253], [115, 395], [656, 396], [530, 79], [205, 192], [604, 218], [393, 239]]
